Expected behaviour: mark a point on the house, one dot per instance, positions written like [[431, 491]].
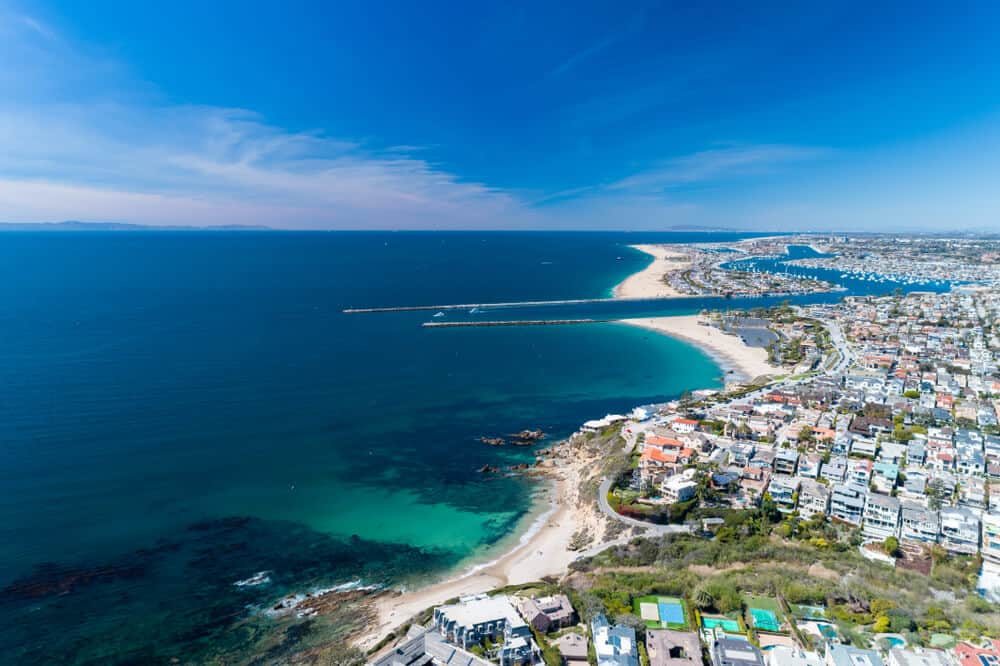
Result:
[[785, 461], [784, 491], [918, 524], [783, 655], [809, 466], [475, 618], [972, 492], [847, 504], [673, 648], [859, 472], [684, 425], [918, 657], [970, 655], [679, 488], [959, 530], [916, 451], [613, 645], [884, 475], [547, 614], [845, 655], [814, 498], [835, 470], [728, 651], [881, 517], [991, 537], [864, 446], [423, 647], [870, 426], [572, 648]]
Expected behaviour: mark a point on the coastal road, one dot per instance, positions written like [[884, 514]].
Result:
[[650, 529]]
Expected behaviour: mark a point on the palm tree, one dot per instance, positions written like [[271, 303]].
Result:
[[702, 598]]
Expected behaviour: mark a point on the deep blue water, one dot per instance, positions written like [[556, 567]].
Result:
[[182, 410]]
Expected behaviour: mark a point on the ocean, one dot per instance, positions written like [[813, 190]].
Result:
[[183, 410]]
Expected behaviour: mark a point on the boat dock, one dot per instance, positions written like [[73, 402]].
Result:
[[523, 322]]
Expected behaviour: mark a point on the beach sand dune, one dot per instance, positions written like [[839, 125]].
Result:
[[648, 283]]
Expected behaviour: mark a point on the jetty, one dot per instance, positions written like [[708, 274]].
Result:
[[512, 304], [513, 322]]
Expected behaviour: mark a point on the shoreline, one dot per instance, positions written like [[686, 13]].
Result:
[[541, 550], [649, 283], [731, 353]]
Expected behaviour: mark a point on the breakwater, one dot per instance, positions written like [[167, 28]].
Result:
[[472, 306], [524, 322]]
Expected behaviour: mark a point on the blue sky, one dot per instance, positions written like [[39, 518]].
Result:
[[502, 115]]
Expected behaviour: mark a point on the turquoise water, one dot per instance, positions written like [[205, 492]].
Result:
[[729, 626], [183, 410]]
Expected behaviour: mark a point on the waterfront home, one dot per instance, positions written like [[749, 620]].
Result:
[[838, 654], [547, 614], [423, 647], [847, 503], [613, 645], [918, 524], [881, 517], [476, 618], [684, 426], [673, 648], [959, 530], [991, 537], [727, 651], [814, 498], [784, 490], [572, 648], [918, 657]]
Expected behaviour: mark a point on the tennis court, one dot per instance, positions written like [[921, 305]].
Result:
[[661, 612], [765, 620], [727, 625]]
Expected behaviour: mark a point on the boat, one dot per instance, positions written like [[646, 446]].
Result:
[[475, 311], [438, 314]]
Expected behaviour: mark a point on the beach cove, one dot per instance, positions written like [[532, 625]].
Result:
[[545, 550]]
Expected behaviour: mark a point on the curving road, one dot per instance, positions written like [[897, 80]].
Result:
[[651, 529]]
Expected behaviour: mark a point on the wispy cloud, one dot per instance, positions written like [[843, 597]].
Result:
[[584, 55], [115, 156], [718, 164]]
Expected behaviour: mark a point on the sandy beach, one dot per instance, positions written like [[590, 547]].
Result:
[[648, 283], [727, 349], [543, 552]]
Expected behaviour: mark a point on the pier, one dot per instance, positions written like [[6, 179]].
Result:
[[513, 304], [523, 322]]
